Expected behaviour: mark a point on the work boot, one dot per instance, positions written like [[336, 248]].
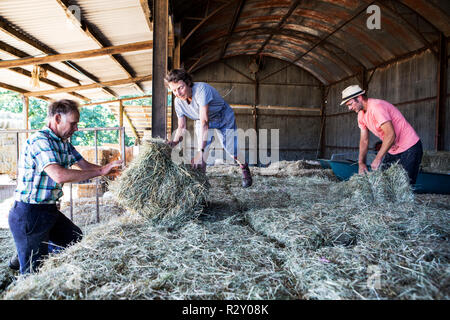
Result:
[[14, 262], [246, 176]]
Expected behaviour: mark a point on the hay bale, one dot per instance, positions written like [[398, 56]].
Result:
[[377, 187], [104, 154], [436, 161], [7, 250], [8, 161], [157, 188], [88, 190]]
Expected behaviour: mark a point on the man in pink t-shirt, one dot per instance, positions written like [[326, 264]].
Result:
[[400, 141]]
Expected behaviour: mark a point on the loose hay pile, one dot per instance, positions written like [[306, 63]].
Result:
[[130, 258], [157, 188], [391, 185], [283, 238], [7, 250]]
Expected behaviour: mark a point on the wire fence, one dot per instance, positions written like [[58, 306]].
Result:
[[12, 143]]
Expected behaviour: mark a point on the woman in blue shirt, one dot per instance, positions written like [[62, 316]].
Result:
[[201, 102]]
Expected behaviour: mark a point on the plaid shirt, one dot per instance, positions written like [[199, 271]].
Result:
[[42, 149]]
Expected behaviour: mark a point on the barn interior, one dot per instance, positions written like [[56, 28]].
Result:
[[282, 66]]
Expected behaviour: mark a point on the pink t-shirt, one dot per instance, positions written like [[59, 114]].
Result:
[[380, 111]]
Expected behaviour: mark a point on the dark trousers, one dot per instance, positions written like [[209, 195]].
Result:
[[409, 159], [39, 229]]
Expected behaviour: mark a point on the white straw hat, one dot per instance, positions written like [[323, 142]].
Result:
[[351, 92]]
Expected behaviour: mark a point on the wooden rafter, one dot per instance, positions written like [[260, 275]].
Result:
[[147, 13], [27, 74], [212, 14], [89, 32], [232, 26], [129, 47], [12, 51], [13, 32], [90, 86], [358, 12], [280, 24], [117, 100], [20, 90]]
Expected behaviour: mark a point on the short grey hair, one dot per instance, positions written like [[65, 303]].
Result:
[[64, 106]]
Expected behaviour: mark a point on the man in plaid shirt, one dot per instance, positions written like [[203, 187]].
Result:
[[36, 224]]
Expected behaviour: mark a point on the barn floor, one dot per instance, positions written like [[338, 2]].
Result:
[[292, 235]]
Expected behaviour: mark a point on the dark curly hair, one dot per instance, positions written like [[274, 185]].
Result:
[[176, 75]]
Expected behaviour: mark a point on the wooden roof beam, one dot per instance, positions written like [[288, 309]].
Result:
[[358, 12], [88, 31], [117, 100], [294, 5], [11, 31], [20, 90], [90, 86], [148, 14], [212, 14], [8, 28], [20, 54], [27, 74], [237, 14], [129, 47]]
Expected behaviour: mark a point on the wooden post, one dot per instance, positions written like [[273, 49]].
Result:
[[176, 65], [441, 94], [26, 107], [159, 91], [324, 94], [121, 138], [255, 117]]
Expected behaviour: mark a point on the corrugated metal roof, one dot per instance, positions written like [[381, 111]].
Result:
[[329, 38], [111, 22], [40, 27]]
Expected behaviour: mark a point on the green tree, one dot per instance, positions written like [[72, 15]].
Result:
[[96, 116]]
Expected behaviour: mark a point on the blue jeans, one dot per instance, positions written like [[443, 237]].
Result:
[[225, 124], [39, 229], [409, 159]]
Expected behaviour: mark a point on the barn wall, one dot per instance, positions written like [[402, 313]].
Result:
[[299, 131], [406, 81]]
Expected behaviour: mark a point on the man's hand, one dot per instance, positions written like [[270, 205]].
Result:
[[362, 169], [110, 167], [375, 164]]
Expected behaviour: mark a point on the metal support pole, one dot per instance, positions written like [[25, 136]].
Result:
[[17, 155], [71, 203], [122, 133], [96, 179], [70, 193], [255, 117]]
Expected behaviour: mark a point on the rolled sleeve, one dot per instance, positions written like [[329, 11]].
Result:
[[75, 156]]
